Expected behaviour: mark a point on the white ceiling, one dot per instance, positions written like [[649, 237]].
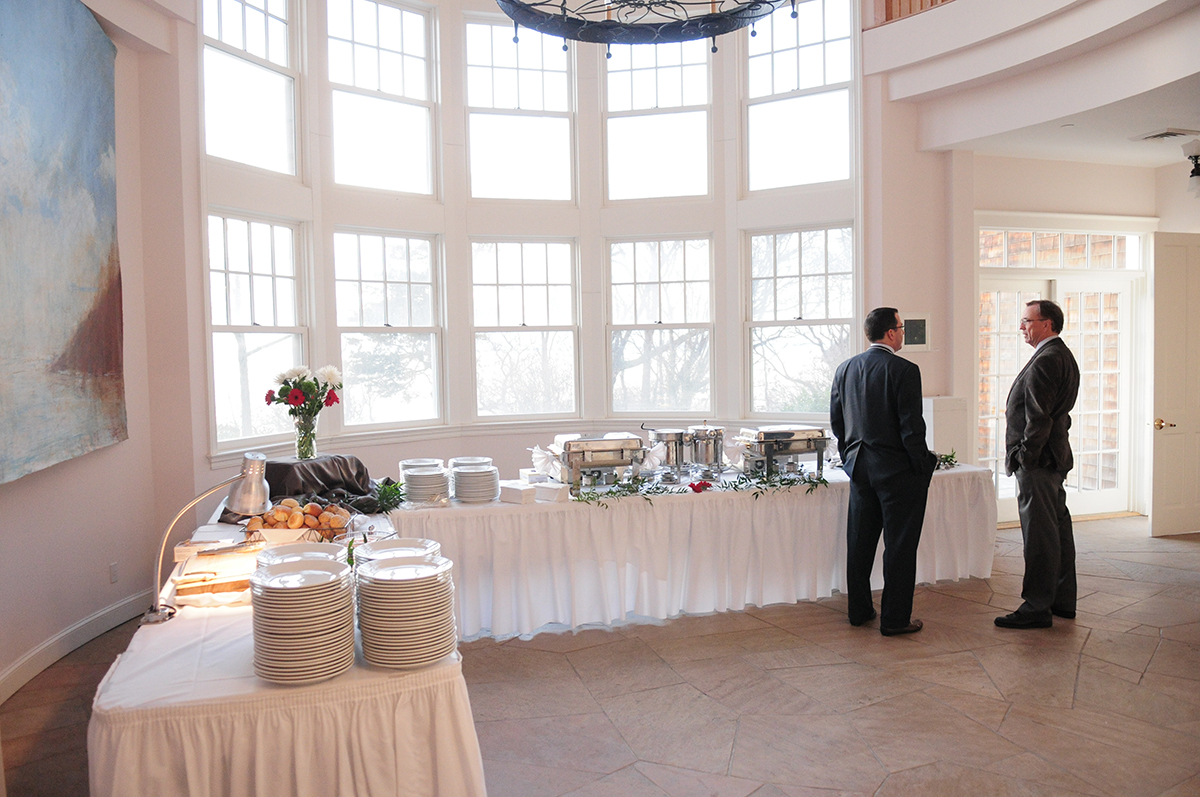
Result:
[[1107, 134]]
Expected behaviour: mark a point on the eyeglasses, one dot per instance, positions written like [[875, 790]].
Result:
[[899, 326], [1028, 321]]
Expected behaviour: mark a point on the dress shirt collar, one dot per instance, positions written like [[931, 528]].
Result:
[[879, 344], [1043, 342]]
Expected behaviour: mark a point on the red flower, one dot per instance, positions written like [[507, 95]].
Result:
[[699, 487], [296, 397], [331, 398], [270, 396]]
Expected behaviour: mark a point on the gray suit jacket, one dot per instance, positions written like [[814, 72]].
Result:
[[1037, 414]]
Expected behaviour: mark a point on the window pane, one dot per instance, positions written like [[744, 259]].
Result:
[[791, 368], [390, 377], [248, 113], [799, 141], [381, 143], [525, 373], [636, 171], [244, 369], [520, 157], [661, 370]]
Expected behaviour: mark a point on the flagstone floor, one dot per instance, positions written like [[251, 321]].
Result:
[[792, 700]]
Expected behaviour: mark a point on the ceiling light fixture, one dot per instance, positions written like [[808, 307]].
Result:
[[637, 21], [1191, 151]]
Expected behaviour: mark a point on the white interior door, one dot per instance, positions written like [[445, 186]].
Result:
[[1175, 485]]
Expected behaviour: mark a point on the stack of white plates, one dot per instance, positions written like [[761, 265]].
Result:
[[476, 484], [397, 548], [303, 620], [426, 484], [290, 552], [406, 611], [409, 464], [458, 462]]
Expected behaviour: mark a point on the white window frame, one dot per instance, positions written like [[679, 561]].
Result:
[[611, 327]]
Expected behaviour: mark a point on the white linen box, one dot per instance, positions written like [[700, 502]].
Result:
[[553, 491], [517, 492], [532, 476]]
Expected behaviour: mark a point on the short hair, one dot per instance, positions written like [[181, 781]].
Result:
[[879, 321], [1050, 311]]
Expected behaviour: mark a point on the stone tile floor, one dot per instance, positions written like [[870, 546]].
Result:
[[792, 700]]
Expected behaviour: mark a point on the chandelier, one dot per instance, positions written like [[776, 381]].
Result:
[[637, 21]]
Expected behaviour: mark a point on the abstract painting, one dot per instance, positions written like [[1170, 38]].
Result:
[[62, 388]]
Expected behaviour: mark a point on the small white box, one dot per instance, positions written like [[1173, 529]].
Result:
[[517, 492], [553, 491], [531, 476]]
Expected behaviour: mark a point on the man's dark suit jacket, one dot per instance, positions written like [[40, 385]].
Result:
[[1037, 415], [875, 412]]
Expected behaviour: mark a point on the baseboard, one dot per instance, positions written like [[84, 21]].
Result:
[[25, 668], [1016, 524]]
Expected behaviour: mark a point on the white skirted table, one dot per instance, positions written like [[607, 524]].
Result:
[[520, 567], [182, 713]]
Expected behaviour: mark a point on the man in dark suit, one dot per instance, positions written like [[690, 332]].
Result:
[[875, 411], [1038, 451]]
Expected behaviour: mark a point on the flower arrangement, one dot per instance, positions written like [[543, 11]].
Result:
[[306, 393]]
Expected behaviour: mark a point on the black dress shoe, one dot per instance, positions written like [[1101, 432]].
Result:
[[1066, 615], [1016, 620], [911, 628], [866, 619]]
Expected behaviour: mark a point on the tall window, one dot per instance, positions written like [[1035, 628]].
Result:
[[382, 119], [387, 317], [657, 126], [660, 338], [523, 305], [798, 117], [519, 116], [255, 330], [802, 296], [249, 84]]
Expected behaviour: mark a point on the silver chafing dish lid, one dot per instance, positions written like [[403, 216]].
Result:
[[613, 441], [667, 435], [706, 431], [782, 432]]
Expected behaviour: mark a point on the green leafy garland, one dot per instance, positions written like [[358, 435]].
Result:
[[644, 488]]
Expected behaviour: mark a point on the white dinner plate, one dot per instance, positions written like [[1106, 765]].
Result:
[[300, 575], [384, 570], [300, 550]]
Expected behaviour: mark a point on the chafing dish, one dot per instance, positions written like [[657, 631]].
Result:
[[708, 445], [598, 458], [676, 442], [768, 447]]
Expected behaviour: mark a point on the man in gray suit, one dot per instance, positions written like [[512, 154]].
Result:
[[875, 411], [1038, 451]]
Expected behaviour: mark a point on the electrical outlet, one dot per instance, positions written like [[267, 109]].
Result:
[[112, 573]]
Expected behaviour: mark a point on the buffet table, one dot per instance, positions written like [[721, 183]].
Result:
[[520, 567], [182, 713]]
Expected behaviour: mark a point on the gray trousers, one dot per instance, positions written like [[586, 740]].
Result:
[[1049, 543]]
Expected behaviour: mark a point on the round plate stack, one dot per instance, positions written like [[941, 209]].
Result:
[[425, 462], [476, 484], [406, 611], [397, 548], [290, 552], [303, 620], [426, 484]]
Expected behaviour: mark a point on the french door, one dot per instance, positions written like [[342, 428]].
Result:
[[1096, 328]]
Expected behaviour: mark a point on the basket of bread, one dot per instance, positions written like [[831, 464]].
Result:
[[291, 519]]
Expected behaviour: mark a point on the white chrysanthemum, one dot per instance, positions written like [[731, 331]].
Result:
[[329, 375], [299, 372]]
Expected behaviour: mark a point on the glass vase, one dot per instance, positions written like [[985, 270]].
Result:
[[306, 436]]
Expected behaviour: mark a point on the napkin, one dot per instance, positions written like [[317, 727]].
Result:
[[517, 492], [546, 463], [549, 491], [655, 457]]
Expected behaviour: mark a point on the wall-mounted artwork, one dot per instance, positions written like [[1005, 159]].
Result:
[[62, 390]]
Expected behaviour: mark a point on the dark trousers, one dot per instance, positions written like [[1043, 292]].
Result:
[[1049, 582], [895, 506]]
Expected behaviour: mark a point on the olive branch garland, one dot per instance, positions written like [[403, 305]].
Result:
[[644, 488]]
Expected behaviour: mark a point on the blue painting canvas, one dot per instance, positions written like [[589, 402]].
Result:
[[62, 391]]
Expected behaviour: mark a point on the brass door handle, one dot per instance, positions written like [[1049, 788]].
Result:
[[1159, 423]]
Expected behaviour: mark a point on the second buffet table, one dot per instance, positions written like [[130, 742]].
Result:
[[520, 567], [182, 713]]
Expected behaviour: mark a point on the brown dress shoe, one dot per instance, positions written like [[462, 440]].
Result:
[[911, 628], [1017, 620]]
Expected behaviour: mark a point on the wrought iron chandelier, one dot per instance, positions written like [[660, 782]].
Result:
[[637, 21]]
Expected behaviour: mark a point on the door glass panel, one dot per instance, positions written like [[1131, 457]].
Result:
[[1002, 354], [1092, 330]]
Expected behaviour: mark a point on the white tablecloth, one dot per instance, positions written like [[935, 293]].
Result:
[[182, 713], [520, 567]]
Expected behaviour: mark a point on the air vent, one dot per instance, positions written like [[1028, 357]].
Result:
[[1170, 132]]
